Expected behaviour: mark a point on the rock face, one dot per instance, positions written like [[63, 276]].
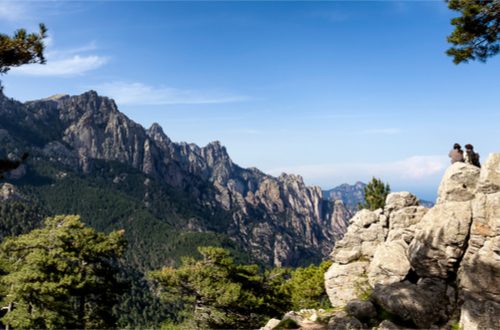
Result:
[[429, 267], [350, 195], [280, 220]]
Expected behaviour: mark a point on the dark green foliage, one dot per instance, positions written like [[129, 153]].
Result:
[[22, 48], [306, 287], [375, 194], [19, 217], [215, 292], [60, 276], [476, 34]]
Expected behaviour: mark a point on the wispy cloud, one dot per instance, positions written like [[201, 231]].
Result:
[[142, 94], [414, 169], [380, 131], [64, 62], [71, 66]]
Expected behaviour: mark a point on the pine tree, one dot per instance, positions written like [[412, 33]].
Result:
[[307, 287], [477, 31], [22, 48], [60, 276], [214, 292], [375, 194]]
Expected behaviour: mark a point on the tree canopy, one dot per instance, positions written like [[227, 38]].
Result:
[[60, 276], [214, 292], [375, 194], [476, 35], [22, 48]]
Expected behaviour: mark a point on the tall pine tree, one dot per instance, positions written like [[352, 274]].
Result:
[[60, 276]]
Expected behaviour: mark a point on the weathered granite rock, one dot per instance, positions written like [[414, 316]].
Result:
[[271, 324], [389, 264], [489, 179], [458, 184], [479, 313], [346, 282], [294, 316], [432, 263], [440, 240], [479, 271], [342, 321], [402, 223], [399, 200], [9, 192], [423, 303], [366, 231], [361, 309], [387, 325]]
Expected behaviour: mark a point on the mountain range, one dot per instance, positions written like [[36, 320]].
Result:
[[87, 157]]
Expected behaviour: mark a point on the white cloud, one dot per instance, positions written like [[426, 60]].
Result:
[[64, 62], [142, 94], [415, 170], [71, 66], [12, 10]]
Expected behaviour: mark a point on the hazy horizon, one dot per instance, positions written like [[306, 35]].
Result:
[[336, 92]]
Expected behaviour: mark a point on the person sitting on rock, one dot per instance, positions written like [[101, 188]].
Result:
[[456, 154], [470, 156]]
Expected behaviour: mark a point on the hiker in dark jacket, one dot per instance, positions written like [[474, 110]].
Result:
[[456, 154], [470, 156]]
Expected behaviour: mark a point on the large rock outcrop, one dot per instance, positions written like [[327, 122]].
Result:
[[428, 267]]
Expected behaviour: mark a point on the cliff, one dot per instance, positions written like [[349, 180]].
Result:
[[425, 268]]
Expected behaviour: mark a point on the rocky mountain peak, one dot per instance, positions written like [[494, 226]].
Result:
[[155, 132], [279, 220], [429, 267], [155, 128]]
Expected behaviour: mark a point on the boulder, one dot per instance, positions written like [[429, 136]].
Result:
[[479, 271], [479, 313], [365, 232], [440, 239], [389, 264], [398, 200], [342, 321], [489, 179], [294, 316], [9, 192], [271, 324], [361, 309], [347, 282], [423, 303], [402, 223], [387, 325], [458, 184]]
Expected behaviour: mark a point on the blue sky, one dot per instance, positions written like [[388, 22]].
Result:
[[334, 91]]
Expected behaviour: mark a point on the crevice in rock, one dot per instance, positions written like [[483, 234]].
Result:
[[412, 277], [457, 264]]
